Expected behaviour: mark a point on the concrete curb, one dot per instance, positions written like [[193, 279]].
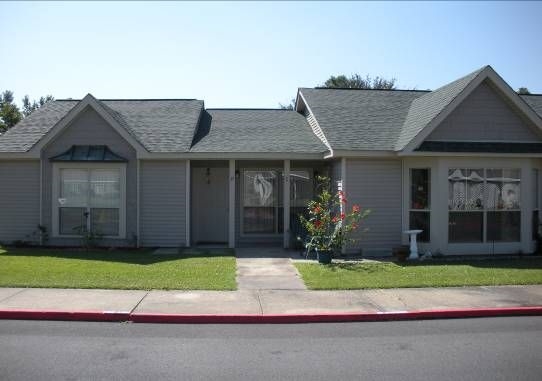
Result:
[[112, 316], [115, 316]]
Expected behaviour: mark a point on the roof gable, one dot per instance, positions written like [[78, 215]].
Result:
[[484, 116], [150, 126], [429, 111], [87, 102]]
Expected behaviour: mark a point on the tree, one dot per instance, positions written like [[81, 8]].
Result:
[[31, 106], [356, 81], [289, 106], [523, 91], [9, 112]]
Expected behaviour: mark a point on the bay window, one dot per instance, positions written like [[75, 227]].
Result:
[[484, 205], [89, 199]]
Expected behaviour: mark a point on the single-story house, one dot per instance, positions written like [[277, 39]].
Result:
[[462, 162]]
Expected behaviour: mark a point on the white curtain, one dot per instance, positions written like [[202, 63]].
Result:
[[74, 187], [104, 188]]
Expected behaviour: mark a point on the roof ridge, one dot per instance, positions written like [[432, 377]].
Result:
[[133, 99], [247, 109], [350, 89]]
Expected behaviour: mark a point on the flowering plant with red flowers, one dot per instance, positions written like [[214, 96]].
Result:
[[329, 220]]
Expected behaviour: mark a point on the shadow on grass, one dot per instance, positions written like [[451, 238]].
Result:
[[134, 256], [533, 263]]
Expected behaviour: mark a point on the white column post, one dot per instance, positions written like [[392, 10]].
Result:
[[231, 208], [286, 204], [188, 202]]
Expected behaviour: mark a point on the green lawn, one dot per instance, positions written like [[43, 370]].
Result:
[[137, 270], [344, 276]]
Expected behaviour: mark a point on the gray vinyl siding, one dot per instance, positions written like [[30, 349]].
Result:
[[376, 185], [484, 116], [163, 203], [19, 200], [90, 128]]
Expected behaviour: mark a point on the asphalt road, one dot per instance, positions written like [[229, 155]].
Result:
[[466, 349]]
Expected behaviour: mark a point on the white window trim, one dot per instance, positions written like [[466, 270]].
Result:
[[56, 194]]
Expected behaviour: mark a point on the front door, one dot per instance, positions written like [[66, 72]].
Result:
[[210, 205]]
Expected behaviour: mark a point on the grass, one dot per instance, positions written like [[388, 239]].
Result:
[[117, 269], [345, 276]]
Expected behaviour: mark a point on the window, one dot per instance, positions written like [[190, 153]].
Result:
[[262, 202], [90, 199], [484, 205], [420, 202]]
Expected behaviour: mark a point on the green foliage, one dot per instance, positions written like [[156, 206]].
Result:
[[476, 272], [9, 112], [289, 106], [523, 91], [39, 236], [356, 81], [31, 106], [329, 223]]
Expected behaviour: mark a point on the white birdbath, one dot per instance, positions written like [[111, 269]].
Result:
[[413, 244]]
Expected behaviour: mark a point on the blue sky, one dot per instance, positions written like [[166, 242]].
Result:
[[257, 54]]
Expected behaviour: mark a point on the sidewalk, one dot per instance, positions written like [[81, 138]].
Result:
[[268, 306]]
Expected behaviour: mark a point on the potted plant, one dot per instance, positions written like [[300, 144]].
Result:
[[329, 222]]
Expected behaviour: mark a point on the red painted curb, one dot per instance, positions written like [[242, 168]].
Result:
[[112, 316], [337, 318], [64, 315]]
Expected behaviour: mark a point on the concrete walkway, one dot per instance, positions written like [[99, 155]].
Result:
[[267, 269], [267, 302]]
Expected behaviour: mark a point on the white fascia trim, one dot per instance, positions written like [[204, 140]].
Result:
[[318, 129], [360, 153], [19, 156], [235, 156], [87, 101], [499, 83], [468, 154]]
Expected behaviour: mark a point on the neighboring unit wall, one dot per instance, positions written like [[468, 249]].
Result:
[[484, 116], [376, 185], [163, 203], [91, 129], [19, 200]]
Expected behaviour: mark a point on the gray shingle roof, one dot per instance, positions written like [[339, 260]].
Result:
[[360, 119], [535, 101], [255, 130], [159, 125], [32, 128], [425, 108]]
